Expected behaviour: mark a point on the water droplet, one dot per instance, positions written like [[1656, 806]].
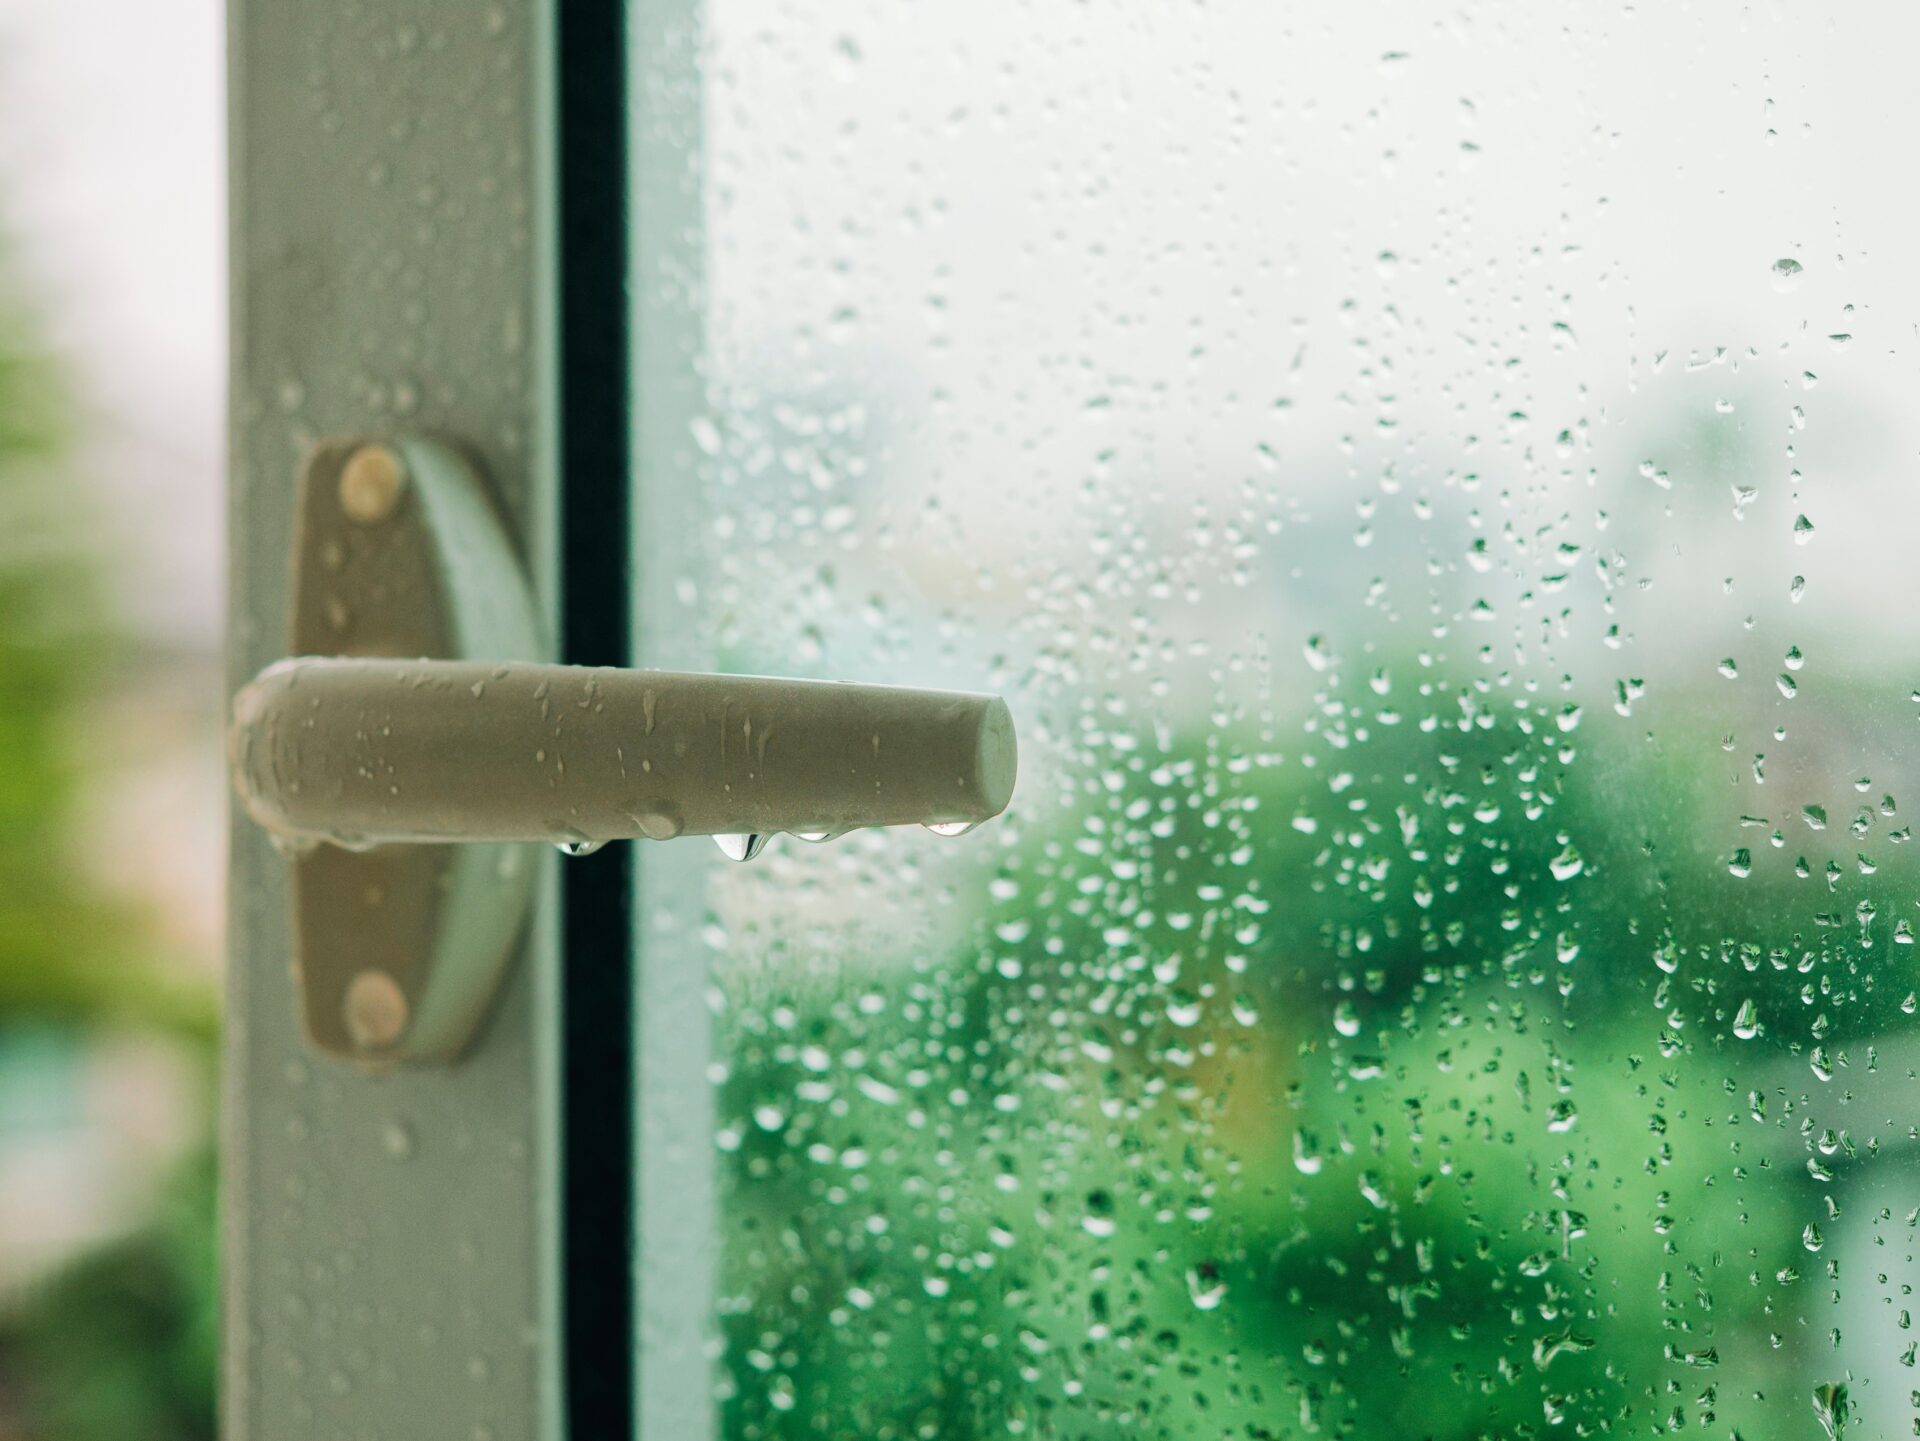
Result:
[[1811, 1237], [1831, 1408], [741, 847], [846, 56], [1548, 1348], [292, 848], [1741, 866], [1205, 1286], [397, 1139], [581, 847], [1746, 1020], [1786, 273], [658, 821], [951, 828], [1099, 1219]]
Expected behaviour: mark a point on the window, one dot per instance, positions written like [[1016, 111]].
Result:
[[1430, 486]]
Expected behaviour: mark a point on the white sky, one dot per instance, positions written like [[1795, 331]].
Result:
[[113, 199]]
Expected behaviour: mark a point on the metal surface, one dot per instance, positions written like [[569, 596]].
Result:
[[356, 751], [390, 1242]]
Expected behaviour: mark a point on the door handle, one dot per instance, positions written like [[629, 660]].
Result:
[[414, 745], [364, 752]]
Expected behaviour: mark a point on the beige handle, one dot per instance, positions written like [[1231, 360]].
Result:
[[362, 752]]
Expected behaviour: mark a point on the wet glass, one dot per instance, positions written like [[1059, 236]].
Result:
[[1437, 490]]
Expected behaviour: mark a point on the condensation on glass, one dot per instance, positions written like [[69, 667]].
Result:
[[1437, 487]]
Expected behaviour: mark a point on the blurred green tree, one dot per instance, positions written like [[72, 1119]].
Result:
[[120, 1342]]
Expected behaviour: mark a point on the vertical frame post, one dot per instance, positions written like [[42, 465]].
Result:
[[391, 1243]]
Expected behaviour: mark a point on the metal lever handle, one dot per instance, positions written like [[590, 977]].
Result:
[[399, 949], [362, 752]]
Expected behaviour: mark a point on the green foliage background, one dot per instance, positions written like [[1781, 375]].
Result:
[[121, 1343], [1423, 1131]]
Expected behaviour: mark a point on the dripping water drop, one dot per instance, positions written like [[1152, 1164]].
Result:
[[741, 847]]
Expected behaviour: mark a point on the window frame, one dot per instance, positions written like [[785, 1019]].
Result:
[[392, 247]]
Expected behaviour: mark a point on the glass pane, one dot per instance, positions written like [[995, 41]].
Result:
[[1436, 490]]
